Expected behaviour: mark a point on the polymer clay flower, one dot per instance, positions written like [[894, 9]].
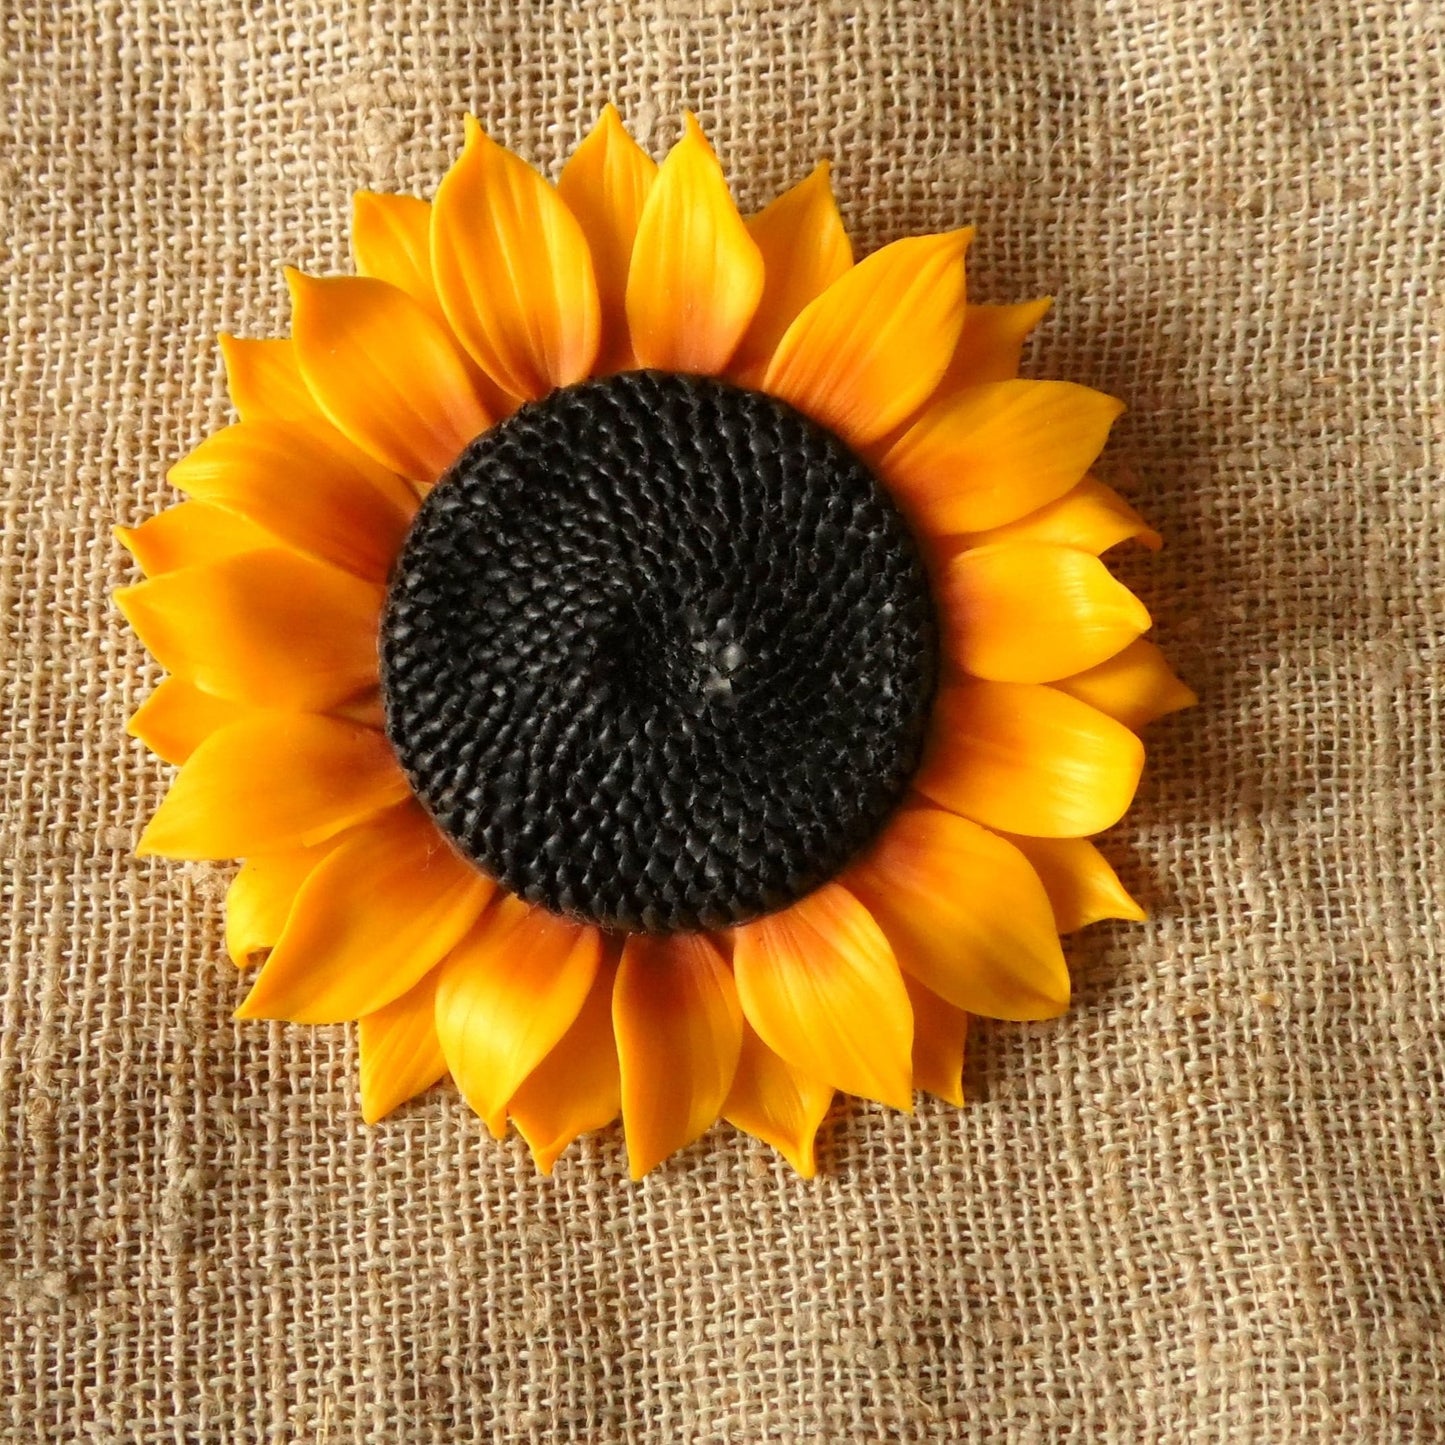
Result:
[[648, 663]]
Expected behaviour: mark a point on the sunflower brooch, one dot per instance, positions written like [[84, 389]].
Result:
[[649, 663]]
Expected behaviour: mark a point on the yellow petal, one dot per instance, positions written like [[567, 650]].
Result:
[[939, 1032], [188, 534], [513, 270], [605, 185], [1136, 686], [1081, 885], [284, 482], [401, 1056], [805, 249], [992, 341], [1033, 612], [272, 781], [385, 371], [391, 241], [272, 629], [1027, 759], [265, 384], [868, 352], [507, 994], [1092, 517], [178, 717], [965, 914], [821, 986], [577, 1087], [979, 458], [678, 1026], [264, 380], [259, 900], [696, 274], [281, 480], [382, 909], [774, 1102]]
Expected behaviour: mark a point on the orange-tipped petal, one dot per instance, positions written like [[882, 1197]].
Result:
[[696, 274], [577, 1087], [805, 249], [382, 909], [774, 1102], [979, 458], [992, 342], [866, 354], [821, 986], [965, 914], [939, 1033], [679, 1029], [1026, 758], [281, 480], [1081, 885], [259, 900], [1033, 612], [273, 629], [385, 371], [1135, 686], [273, 781], [507, 993], [605, 185], [513, 270], [401, 1055], [391, 241], [1092, 517], [188, 534], [178, 717]]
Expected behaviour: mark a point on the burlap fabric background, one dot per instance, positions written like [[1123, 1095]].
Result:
[[1204, 1207]]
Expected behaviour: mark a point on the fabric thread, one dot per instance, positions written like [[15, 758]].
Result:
[[1203, 1207]]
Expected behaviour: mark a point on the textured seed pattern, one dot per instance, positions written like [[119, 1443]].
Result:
[[658, 653]]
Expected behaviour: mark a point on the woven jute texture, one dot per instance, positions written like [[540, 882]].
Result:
[[1207, 1205]]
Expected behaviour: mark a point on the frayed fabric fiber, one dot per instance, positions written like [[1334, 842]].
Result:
[[1204, 1206]]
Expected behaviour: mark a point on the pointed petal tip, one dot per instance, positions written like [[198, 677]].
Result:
[[372, 1112], [299, 285]]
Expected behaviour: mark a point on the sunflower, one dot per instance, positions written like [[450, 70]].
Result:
[[648, 662]]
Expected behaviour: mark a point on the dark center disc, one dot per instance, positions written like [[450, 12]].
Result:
[[658, 653]]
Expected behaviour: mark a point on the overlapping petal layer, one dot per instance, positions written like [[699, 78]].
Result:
[[513, 271], [271, 629], [506, 994], [401, 1055], [696, 274], [271, 781], [965, 914], [606, 185], [386, 905], [1033, 612], [386, 372], [863, 356], [1029, 759], [820, 985]]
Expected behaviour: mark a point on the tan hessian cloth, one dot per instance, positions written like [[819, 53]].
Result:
[[1208, 1205]]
